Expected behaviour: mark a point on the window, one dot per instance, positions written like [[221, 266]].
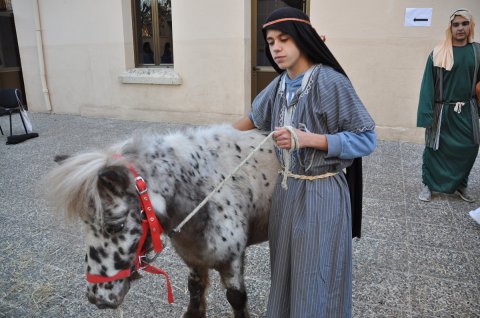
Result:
[[153, 32]]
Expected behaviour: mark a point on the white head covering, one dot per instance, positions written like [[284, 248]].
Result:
[[443, 53]]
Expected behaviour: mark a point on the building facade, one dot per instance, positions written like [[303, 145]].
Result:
[[90, 58]]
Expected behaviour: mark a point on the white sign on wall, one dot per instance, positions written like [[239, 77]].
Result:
[[419, 17]]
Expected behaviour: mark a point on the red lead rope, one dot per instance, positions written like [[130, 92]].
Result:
[[139, 264], [150, 224]]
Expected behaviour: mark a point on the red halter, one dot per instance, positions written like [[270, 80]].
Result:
[[150, 224]]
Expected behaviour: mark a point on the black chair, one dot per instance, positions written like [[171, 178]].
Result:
[[11, 103]]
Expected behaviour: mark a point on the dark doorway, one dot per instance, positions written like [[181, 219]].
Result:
[[262, 72], [10, 66]]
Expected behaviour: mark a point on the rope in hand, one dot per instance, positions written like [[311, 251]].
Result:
[[295, 145]]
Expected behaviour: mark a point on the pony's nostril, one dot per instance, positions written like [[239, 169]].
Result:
[[102, 306], [91, 299], [107, 306]]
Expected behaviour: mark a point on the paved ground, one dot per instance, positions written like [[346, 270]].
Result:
[[414, 260]]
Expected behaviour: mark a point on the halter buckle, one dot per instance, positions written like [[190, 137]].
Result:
[[140, 185], [143, 262], [144, 259]]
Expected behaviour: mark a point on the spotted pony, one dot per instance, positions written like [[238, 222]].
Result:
[[180, 169]]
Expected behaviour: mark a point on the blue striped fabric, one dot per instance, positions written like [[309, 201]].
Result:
[[310, 223]]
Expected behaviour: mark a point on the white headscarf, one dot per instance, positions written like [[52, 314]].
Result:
[[443, 53]]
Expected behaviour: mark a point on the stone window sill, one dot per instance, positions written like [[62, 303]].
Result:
[[158, 76]]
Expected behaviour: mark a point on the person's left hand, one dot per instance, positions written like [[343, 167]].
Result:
[[284, 140]]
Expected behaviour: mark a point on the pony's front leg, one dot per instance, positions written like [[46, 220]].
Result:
[[197, 285], [232, 279]]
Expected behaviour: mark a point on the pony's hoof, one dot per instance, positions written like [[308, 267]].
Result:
[[241, 314], [190, 314]]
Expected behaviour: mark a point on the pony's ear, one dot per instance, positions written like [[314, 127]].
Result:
[[60, 158], [160, 207], [158, 203], [114, 178]]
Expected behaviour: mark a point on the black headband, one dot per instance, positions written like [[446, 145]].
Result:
[[455, 13]]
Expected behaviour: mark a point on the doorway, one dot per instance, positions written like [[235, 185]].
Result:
[[262, 72], [10, 66]]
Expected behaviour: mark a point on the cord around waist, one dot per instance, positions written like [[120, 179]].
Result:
[[305, 177], [457, 105], [451, 103]]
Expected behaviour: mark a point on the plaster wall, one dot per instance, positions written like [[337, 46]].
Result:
[[88, 44], [383, 58]]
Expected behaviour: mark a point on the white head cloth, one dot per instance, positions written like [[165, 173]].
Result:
[[443, 53]]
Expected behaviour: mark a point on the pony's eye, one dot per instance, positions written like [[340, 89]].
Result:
[[114, 228]]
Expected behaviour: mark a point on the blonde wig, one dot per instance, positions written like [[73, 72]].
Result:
[[443, 53]]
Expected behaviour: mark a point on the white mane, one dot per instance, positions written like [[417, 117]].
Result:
[[72, 186]]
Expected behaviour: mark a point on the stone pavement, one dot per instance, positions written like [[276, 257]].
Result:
[[415, 259]]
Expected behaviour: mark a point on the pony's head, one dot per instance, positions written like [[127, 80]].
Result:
[[100, 189]]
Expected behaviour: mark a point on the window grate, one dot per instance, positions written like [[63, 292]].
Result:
[[153, 32]]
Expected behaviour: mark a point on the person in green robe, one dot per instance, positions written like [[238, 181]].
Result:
[[448, 110]]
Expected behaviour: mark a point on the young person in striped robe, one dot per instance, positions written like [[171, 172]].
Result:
[[310, 226]]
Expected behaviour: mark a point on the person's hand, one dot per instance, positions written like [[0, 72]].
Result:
[[283, 138], [305, 139], [323, 38]]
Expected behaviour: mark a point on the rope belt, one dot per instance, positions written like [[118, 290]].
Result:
[[288, 174], [457, 106]]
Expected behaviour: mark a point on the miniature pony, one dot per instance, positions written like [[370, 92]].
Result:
[[180, 169]]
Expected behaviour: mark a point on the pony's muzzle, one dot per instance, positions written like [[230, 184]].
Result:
[[101, 303], [108, 297]]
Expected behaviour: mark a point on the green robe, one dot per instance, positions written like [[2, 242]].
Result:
[[451, 138]]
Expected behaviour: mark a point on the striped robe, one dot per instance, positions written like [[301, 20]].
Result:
[[310, 230]]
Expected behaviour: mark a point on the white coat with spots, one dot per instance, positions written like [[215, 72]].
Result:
[[181, 169]]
